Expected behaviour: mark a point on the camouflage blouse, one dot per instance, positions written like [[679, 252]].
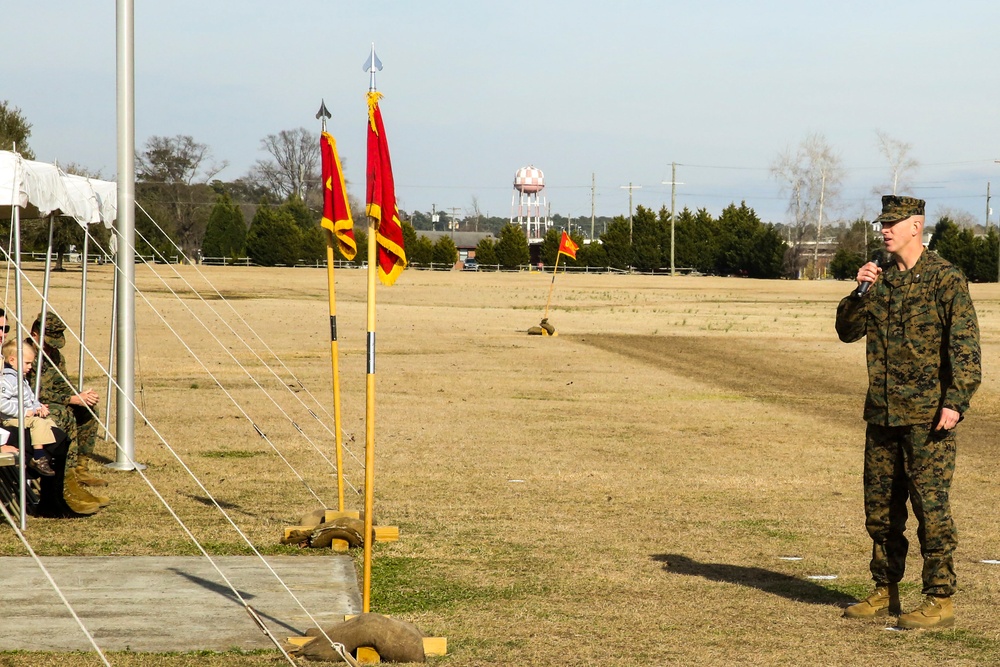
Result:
[[923, 342]]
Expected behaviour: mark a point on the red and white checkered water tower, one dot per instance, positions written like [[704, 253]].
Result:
[[527, 207]]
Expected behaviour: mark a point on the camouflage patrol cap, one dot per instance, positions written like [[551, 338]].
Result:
[[896, 208], [55, 330]]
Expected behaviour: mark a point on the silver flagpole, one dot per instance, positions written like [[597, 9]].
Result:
[[125, 224]]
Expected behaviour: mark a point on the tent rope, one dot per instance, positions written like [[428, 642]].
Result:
[[225, 391], [55, 586], [237, 361], [165, 503], [226, 301]]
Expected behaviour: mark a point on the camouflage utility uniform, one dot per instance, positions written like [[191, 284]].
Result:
[[923, 355], [78, 422]]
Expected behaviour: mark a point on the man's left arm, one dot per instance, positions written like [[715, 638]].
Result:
[[964, 357]]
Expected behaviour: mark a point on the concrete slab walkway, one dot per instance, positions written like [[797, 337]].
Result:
[[169, 603]]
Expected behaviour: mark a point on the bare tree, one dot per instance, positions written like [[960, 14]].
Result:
[[963, 219], [172, 178], [897, 153], [474, 211], [811, 176], [294, 169]]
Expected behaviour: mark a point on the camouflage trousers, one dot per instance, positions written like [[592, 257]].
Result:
[[915, 463], [80, 426]]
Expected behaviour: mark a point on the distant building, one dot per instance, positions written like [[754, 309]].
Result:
[[466, 242]]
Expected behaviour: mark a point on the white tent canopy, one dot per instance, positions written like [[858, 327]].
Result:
[[41, 189]]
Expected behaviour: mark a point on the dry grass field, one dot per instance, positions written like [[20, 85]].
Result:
[[622, 494]]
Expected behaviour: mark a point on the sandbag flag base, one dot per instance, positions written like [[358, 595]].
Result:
[[367, 639], [344, 525], [543, 329]]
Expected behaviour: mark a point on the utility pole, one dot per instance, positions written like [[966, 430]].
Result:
[[630, 187], [434, 217], [454, 220], [988, 222], [673, 212], [988, 206], [593, 185]]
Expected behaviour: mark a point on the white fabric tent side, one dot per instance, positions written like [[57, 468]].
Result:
[[38, 190]]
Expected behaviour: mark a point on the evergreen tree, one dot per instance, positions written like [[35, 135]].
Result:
[[736, 227], [647, 235], [767, 253], [512, 248], [445, 251], [486, 253], [985, 257], [955, 245], [550, 246], [361, 238], [592, 254], [422, 253], [300, 213], [226, 231], [616, 244], [409, 237], [845, 264], [313, 249], [273, 238]]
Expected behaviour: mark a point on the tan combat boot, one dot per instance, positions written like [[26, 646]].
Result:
[[884, 601], [76, 498], [933, 612], [72, 487], [83, 474]]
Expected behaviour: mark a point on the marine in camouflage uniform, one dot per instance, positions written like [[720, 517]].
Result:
[[78, 421], [923, 368]]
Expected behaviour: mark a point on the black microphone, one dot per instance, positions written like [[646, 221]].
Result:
[[877, 259]]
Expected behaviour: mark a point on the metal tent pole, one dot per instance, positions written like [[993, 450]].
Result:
[[19, 327], [125, 224]]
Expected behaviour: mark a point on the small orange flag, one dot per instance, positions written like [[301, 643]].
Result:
[[567, 247], [381, 198], [336, 211]]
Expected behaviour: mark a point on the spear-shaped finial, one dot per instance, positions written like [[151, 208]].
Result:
[[372, 65], [323, 113]]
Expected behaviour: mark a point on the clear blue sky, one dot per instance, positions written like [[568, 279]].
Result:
[[474, 90]]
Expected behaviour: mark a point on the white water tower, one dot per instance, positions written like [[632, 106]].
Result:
[[527, 207]]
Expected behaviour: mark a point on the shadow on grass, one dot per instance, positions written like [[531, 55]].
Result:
[[768, 581]]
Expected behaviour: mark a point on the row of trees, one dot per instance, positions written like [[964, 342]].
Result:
[[182, 202], [735, 243]]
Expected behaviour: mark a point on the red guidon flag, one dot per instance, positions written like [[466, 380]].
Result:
[[567, 247], [382, 198], [336, 210]]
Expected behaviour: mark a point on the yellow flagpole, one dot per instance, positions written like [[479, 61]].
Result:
[[366, 593], [335, 357], [551, 285]]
